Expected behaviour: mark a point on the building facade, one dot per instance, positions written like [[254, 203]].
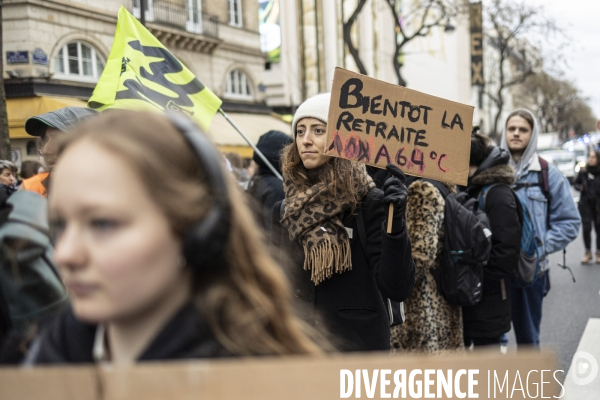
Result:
[[55, 51], [312, 46]]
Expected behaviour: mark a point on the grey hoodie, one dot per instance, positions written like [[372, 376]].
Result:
[[522, 166]]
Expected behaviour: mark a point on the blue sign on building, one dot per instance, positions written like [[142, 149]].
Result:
[[17, 57], [39, 57]]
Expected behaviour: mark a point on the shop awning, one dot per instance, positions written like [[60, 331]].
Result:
[[221, 132], [21, 108], [253, 126]]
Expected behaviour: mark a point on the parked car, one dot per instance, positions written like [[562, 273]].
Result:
[[581, 148], [564, 160]]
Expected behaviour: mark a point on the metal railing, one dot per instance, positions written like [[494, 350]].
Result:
[[181, 16]]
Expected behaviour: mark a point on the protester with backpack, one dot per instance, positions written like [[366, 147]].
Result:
[[31, 291], [588, 183], [432, 323], [158, 251], [333, 274], [547, 194], [490, 178]]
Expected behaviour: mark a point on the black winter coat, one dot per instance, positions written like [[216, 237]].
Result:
[[350, 305], [267, 190], [588, 183], [491, 317], [69, 340], [265, 187]]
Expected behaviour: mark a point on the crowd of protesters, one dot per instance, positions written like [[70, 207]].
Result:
[[164, 256]]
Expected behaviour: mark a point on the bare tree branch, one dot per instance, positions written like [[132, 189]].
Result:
[[348, 37], [560, 105], [423, 17], [511, 25]]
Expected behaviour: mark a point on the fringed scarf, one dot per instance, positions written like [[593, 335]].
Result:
[[314, 216]]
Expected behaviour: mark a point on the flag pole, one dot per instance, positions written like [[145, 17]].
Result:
[[257, 151], [143, 12]]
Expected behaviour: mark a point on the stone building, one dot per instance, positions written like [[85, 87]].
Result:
[[55, 51], [312, 45]]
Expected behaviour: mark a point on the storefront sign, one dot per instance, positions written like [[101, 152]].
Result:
[[476, 22]]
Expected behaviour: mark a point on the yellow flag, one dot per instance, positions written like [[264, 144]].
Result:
[[141, 74]]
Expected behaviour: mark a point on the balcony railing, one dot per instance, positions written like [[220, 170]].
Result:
[[183, 17]]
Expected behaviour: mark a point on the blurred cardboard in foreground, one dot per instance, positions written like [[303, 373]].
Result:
[[287, 378]]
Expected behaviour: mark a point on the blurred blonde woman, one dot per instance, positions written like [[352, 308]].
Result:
[[130, 207]]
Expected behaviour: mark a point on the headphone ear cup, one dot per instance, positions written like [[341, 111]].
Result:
[[204, 245]]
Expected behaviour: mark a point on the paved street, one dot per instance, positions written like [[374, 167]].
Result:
[[569, 305]]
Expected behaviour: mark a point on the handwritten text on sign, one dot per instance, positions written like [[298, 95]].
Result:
[[378, 123]]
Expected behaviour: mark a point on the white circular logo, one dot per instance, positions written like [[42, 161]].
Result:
[[585, 368]]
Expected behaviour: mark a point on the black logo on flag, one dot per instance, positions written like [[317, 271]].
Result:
[[124, 62], [158, 69]]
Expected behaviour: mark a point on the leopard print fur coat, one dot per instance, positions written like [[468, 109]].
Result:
[[432, 325]]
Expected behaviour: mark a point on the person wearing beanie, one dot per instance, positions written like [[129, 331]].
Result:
[[344, 265], [265, 187]]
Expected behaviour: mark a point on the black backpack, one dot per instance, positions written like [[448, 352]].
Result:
[[31, 289], [467, 247]]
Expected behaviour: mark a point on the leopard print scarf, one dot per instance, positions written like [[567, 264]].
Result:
[[314, 216]]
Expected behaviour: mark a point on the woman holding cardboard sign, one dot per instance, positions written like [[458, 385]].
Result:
[[334, 226]]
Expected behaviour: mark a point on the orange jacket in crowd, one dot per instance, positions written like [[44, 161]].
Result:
[[35, 184]]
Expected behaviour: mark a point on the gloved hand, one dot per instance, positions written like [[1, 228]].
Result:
[[395, 192]]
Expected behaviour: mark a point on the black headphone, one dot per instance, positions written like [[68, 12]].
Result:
[[204, 244]]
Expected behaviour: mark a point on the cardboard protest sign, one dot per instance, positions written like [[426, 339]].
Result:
[[483, 375], [378, 123]]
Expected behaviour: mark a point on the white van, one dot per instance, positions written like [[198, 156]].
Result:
[[564, 160]]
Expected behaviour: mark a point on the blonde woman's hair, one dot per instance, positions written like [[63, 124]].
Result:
[[247, 301]]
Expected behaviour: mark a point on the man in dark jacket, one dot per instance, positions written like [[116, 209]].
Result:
[[31, 291], [485, 322], [265, 187]]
